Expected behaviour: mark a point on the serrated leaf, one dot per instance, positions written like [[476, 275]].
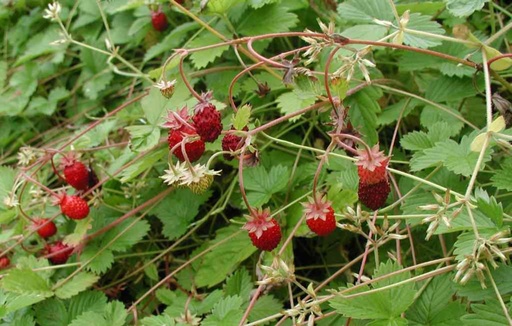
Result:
[[363, 115], [266, 306], [260, 3], [239, 284], [14, 301], [172, 40], [268, 19], [80, 282], [51, 312], [415, 141], [92, 301], [115, 313], [151, 272], [177, 210], [31, 262], [81, 228], [7, 175], [435, 305], [431, 115], [242, 116], [226, 312], [489, 206], [490, 313], [502, 178], [387, 304], [127, 235], [365, 11], [209, 302], [220, 7], [291, 102], [26, 281], [262, 183], [450, 89], [101, 263], [145, 163], [160, 320], [202, 58], [89, 318], [223, 259], [473, 290], [464, 8], [422, 23]]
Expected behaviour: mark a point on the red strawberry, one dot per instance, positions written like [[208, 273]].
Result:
[[74, 207], [159, 20], [45, 227], [207, 121], [194, 149], [372, 165], [320, 216], [264, 231], [230, 143], [58, 252], [4, 262], [75, 172], [374, 195]]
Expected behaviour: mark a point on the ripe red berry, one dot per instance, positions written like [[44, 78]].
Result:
[[230, 143], [374, 195], [320, 216], [159, 20], [45, 227], [194, 149], [58, 252], [372, 165], [74, 207], [75, 172], [264, 231], [4, 262], [207, 121]]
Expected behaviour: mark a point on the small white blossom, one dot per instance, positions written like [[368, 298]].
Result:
[[166, 87], [199, 173], [174, 174], [11, 201], [53, 11], [26, 155]]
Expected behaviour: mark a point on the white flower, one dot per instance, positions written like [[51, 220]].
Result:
[[199, 178], [26, 156], [53, 11], [174, 174], [11, 201], [166, 87]]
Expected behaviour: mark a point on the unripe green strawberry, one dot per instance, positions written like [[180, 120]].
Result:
[[264, 231]]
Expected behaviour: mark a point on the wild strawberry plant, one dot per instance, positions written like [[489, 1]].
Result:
[[271, 162]]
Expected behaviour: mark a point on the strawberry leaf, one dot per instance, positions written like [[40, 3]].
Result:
[[80, 282], [262, 183], [51, 312], [422, 23], [268, 19], [365, 11], [26, 281], [490, 313], [464, 8]]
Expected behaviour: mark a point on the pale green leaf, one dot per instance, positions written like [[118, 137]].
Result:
[[89, 318], [260, 3], [39, 44], [422, 23], [393, 112], [98, 83], [431, 115], [268, 19], [220, 7], [464, 8], [415, 141], [489, 206], [81, 228], [161, 320], [80, 282], [262, 183], [450, 89], [155, 106], [14, 301], [291, 102], [151, 271], [489, 313], [242, 116], [172, 40], [126, 234], [473, 290], [25, 281]]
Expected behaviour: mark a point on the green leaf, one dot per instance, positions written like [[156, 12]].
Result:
[[263, 184], [291, 102], [89, 318], [363, 114], [80, 282], [489, 313], [81, 228], [464, 8], [128, 238], [25, 281], [151, 271], [268, 19], [435, 305], [220, 7], [422, 23], [489, 206], [451, 89], [115, 313], [3, 73], [92, 301], [177, 210], [7, 175], [14, 301], [393, 112], [473, 290], [145, 163], [202, 58], [223, 259], [226, 312], [416, 141], [365, 11], [39, 44], [242, 116], [172, 40], [101, 263], [161, 320], [431, 115], [51, 312], [502, 178], [266, 306], [92, 87], [239, 284], [260, 3], [386, 304]]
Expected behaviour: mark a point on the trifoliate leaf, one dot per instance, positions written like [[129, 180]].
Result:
[[146, 162], [446, 89], [126, 233], [80, 282], [226, 312], [415, 141], [464, 8]]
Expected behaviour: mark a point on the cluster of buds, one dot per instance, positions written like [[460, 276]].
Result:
[[317, 43], [27, 156], [166, 87], [197, 178], [277, 273], [52, 12], [306, 310], [356, 218], [487, 249], [350, 63], [443, 212]]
